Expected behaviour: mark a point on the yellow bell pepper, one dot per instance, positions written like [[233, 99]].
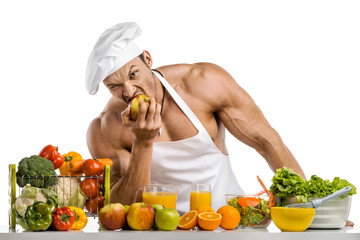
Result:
[[73, 155], [72, 165], [80, 218]]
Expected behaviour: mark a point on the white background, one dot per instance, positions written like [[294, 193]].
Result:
[[299, 60]]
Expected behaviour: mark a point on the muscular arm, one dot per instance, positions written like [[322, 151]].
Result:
[[107, 137], [245, 121], [129, 172]]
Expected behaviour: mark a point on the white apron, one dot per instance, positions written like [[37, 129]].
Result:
[[192, 160]]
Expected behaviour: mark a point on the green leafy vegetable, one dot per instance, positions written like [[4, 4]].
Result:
[[338, 184], [287, 184], [37, 171]]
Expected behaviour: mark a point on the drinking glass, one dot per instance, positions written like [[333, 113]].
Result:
[[162, 194], [200, 194]]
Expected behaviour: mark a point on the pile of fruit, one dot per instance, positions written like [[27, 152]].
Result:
[[226, 217], [141, 216]]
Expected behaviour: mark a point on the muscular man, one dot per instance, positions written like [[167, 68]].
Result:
[[180, 138]]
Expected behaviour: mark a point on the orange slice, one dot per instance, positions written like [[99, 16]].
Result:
[[230, 217], [209, 220], [188, 220], [204, 208]]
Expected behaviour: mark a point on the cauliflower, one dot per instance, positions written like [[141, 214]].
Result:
[[28, 196], [68, 189]]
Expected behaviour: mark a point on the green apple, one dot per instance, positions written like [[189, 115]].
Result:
[[135, 105], [167, 219], [157, 207], [140, 216], [126, 207]]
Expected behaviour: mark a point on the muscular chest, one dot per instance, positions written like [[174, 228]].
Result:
[[176, 125]]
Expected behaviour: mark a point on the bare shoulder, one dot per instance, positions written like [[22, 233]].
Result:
[[205, 82], [106, 135]]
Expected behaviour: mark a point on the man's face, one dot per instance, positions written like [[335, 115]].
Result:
[[130, 80]]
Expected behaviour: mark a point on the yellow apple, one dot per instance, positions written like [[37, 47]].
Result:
[[135, 105], [140, 216]]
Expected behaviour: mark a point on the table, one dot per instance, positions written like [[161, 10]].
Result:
[[92, 232]]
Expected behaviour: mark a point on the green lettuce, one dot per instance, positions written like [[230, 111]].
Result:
[[318, 187], [287, 184], [338, 184]]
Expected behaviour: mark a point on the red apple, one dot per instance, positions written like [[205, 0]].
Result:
[[112, 216], [135, 105], [140, 216]]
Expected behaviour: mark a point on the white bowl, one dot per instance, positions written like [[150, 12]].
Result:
[[332, 214]]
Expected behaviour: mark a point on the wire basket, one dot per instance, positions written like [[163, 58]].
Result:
[[65, 187]]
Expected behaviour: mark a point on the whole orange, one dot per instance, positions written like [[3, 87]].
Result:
[[230, 217], [204, 208]]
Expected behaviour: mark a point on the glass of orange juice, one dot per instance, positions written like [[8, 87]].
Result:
[[200, 194], [164, 195]]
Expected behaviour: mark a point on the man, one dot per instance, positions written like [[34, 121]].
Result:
[[180, 137]]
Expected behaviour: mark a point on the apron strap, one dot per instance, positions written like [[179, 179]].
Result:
[[181, 103]]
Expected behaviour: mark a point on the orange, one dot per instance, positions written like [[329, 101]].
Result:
[[204, 208], [230, 217], [209, 220], [188, 220]]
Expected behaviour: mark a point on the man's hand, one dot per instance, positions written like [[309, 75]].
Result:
[[148, 123]]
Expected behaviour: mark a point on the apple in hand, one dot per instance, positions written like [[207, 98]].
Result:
[[112, 216], [167, 219], [135, 105], [140, 216]]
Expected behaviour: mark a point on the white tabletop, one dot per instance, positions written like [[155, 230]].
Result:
[[92, 232]]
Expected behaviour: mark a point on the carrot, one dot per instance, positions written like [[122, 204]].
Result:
[[105, 161]]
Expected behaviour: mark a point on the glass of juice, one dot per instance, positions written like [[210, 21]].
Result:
[[200, 194], [164, 195]]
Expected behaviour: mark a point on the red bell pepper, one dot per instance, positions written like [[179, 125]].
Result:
[[63, 218], [51, 153]]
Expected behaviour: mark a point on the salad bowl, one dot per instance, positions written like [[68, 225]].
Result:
[[254, 212]]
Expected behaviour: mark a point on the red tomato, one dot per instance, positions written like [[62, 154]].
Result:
[[93, 205], [92, 167], [90, 187]]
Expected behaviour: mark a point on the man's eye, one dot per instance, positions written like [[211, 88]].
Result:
[[114, 87], [132, 75]]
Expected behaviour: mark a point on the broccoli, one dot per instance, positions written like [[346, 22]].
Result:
[[37, 171]]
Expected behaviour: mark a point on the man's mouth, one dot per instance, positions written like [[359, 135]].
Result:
[[130, 99]]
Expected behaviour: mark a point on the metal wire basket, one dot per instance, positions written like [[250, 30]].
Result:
[[64, 187]]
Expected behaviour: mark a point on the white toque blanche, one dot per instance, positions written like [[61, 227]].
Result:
[[113, 50]]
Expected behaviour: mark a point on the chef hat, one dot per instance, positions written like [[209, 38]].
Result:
[[113, 50]]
